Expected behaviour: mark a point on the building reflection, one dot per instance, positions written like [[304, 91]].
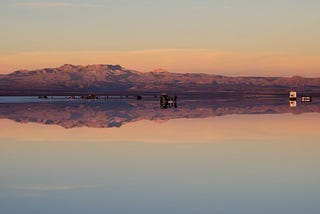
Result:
[[293, 103]]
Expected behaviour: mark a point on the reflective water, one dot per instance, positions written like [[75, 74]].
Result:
[[254, 155]]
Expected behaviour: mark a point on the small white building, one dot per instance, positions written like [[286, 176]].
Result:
[[306, 99], [293, 95]]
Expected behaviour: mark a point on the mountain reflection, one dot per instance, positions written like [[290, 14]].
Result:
[[115, 113]]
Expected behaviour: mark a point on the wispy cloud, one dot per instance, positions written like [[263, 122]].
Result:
[[38, 5]]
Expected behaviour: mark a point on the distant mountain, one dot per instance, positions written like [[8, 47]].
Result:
[[116, 113], [111, 79]]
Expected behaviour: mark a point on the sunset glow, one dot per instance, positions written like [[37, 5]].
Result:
[[159, 106], [173, 60], [228, 38]]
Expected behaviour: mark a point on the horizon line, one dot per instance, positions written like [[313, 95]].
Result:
[[154, 70]]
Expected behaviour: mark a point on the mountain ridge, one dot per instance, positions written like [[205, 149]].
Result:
[[104, 78]]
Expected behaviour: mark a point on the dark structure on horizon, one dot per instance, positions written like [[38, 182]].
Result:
[[167, 101]]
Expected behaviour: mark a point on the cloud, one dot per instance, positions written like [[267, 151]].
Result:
[[38, 5]]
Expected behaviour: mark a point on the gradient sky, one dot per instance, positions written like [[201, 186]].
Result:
[[235, 37], [257, 128]]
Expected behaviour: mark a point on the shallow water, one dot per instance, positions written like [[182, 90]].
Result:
[[127, 156]]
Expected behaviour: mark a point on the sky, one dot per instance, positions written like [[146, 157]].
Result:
[[234, 37]]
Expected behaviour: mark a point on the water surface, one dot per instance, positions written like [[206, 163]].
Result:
[[128, 156]]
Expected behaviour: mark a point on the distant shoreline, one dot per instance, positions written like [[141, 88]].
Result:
[[217, 94]]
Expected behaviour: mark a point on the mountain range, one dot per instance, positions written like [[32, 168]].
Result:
[[114, 79], [116, 113]]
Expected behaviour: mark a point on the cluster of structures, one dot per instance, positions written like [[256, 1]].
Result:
[[90, 97], [167, 101], [95, 97], [293, 99]]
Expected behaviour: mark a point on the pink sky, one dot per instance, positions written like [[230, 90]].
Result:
[[208, 130], [174, 60]]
